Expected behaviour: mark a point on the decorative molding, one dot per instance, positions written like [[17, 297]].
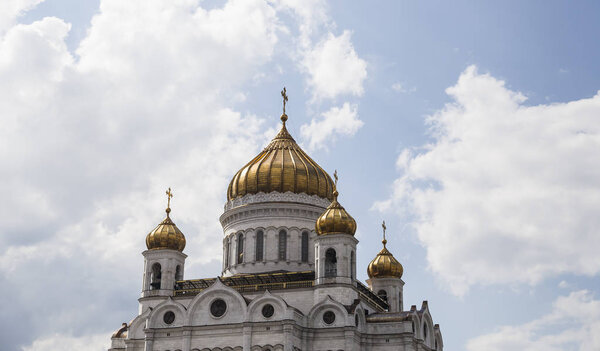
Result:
[[277, 197]]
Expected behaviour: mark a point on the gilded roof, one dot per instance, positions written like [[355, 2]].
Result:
[[335, 219], [384, 265], [282, 166], [166, 236]]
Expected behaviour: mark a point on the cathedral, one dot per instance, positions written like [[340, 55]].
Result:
[[288, 279]]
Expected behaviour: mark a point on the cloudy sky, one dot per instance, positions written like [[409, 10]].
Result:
[[472, 128]]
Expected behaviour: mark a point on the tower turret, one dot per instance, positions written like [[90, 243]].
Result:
[[164, 260], [385, 273], [335, 244]]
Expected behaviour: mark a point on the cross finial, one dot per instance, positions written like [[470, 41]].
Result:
[[285, 98], [336, 177], [169, 196], [384, 228]]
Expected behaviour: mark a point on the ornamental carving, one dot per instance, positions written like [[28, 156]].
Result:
[[277, 197]]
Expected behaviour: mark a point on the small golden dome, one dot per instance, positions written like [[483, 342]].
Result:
[[166, 235], [335, 219], [282, 166], [384, 265]]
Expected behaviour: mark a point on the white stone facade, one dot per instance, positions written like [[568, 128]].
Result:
[[245, 310]]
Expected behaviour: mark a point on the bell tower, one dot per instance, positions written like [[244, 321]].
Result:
[[335, 244], [385, 273], [164, 260]]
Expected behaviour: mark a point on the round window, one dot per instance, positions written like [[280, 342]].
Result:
[[169, 317], [268, 310], [218, 308], [328, 317]]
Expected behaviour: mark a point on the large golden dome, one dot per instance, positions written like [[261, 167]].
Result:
[[384, 265], [282, 166], [166, 235], [335, 219]]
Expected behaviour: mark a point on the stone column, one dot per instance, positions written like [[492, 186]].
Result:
[[247, 342], [287, 337], [149, 341], [187, 339]]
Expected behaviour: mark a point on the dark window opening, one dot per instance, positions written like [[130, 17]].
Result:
[[169, 317], [218, 308], [259, 245], [304, 247], [155, 277], [178, 274], [282, 245], [330, 263], [352, 265], [226, 253], [329, 317], [240, 248]]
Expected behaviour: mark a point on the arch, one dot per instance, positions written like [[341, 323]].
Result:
[[260, 244], [155, 318], [282, 247], [330, 263], [198, 308], [155, 276], [315, 314], [137, 325], [240, 248], [362, 319], [254, 308], [427, 330], [383, 295], [304, 247]]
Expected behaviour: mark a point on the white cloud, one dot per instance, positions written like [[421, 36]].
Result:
[[10, 10], [94, 342], [336, 121], [90, 141], [334, 68], [400, 88], [573, 324], [505, 193]]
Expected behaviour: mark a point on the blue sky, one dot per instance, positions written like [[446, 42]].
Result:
[[472, 128]]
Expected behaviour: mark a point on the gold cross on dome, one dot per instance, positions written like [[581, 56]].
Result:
[[384, 228], [336, 177], [169, 196], [285, 98]]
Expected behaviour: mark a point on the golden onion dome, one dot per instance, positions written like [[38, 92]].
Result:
[[335, 219], [384, 265], [166, 235], [282, 166]]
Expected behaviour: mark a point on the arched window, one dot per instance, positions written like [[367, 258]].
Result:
[[260, 240], [155, 276], [227, 253], [352, 265], [178, 274], [304, 247], [240, 248], [382, 295], [330, 263], [425, 331], [436, 344], [282, 245]]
